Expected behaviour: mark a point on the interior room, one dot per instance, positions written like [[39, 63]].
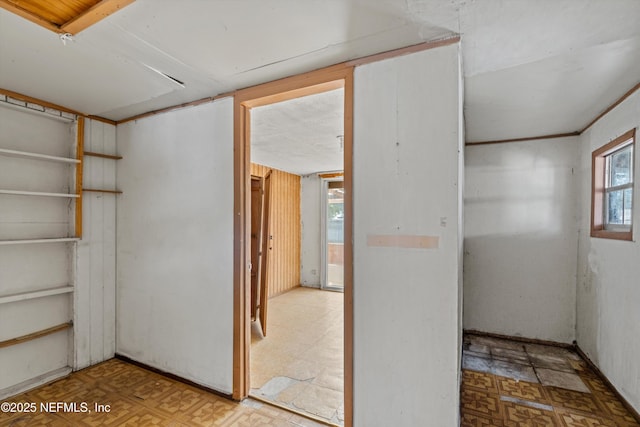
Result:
[[486, 274]]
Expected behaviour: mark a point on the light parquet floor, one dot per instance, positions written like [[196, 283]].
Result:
[[300, 363], [138, 397]]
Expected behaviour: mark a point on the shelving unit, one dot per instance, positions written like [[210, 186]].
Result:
[[42, 275], [102, 156]]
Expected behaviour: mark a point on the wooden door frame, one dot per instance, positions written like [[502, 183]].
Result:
[[310, 83]]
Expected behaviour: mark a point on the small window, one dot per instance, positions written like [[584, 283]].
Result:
[[612, 189]]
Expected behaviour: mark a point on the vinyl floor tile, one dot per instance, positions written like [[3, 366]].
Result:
[[571, 395], [551, 362], [151, 400], [566, 380], [304, 351]]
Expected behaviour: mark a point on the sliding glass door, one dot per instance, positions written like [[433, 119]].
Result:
[[333, 235]]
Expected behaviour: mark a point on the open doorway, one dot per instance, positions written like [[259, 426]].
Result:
[[296, 358], [340, 348]]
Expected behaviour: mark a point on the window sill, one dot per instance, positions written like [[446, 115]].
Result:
[[614, 235]]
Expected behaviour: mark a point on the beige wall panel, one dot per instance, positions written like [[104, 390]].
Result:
[[284, 262]]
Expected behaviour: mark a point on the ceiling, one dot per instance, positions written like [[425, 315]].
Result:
[[531, 67], [300, 136]]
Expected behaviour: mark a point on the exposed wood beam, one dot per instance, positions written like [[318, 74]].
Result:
[[102, 119], [93, 15], [173, 107], [531, 138], [13, 8]]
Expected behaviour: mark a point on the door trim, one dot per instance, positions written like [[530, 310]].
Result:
[[280, 90]]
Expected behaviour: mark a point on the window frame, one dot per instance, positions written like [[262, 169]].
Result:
[[599, 179]]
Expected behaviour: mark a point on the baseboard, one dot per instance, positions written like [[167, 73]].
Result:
[[602, 376], [519, 339], [172, 376], [38, 381]]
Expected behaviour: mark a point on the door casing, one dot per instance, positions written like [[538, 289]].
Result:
[[310, 83]]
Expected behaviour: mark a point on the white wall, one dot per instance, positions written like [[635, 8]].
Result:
[[26, 268], [175, 243], [406, 301], [311, 244], [95, 297], [520, 238], [608, 290]]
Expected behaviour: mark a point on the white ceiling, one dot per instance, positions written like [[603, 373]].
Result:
[[531, 67], [300, 136]]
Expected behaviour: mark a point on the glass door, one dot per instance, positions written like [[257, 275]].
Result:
[[333, 235]]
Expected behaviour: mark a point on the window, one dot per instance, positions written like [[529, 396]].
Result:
[[612, 188]]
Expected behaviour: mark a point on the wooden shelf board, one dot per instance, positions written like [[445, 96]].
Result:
[[104, 156], [95, 190], [36, 156], [37, 193], [36, 294], [34, 335], [32, 241]]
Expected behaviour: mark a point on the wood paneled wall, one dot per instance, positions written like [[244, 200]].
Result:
[[284, 263]]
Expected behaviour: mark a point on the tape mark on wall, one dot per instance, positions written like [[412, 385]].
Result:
[[403, 241]]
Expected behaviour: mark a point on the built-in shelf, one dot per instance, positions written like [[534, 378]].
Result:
[[36, 156], [36, 294], [104, 156], [94, 190], [37, 193], [30, 241], [35, 335]]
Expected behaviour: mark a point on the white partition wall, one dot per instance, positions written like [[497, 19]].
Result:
[[520, 238], [95, 314], [311, 230], [37, 249], [175, 243], [608, 290], [407, 152]]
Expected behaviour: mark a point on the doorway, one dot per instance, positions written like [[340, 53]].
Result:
[[294, 87], [297, 345]]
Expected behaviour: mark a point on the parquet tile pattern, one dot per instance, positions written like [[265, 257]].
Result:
[[138, 397], [489, 399]]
